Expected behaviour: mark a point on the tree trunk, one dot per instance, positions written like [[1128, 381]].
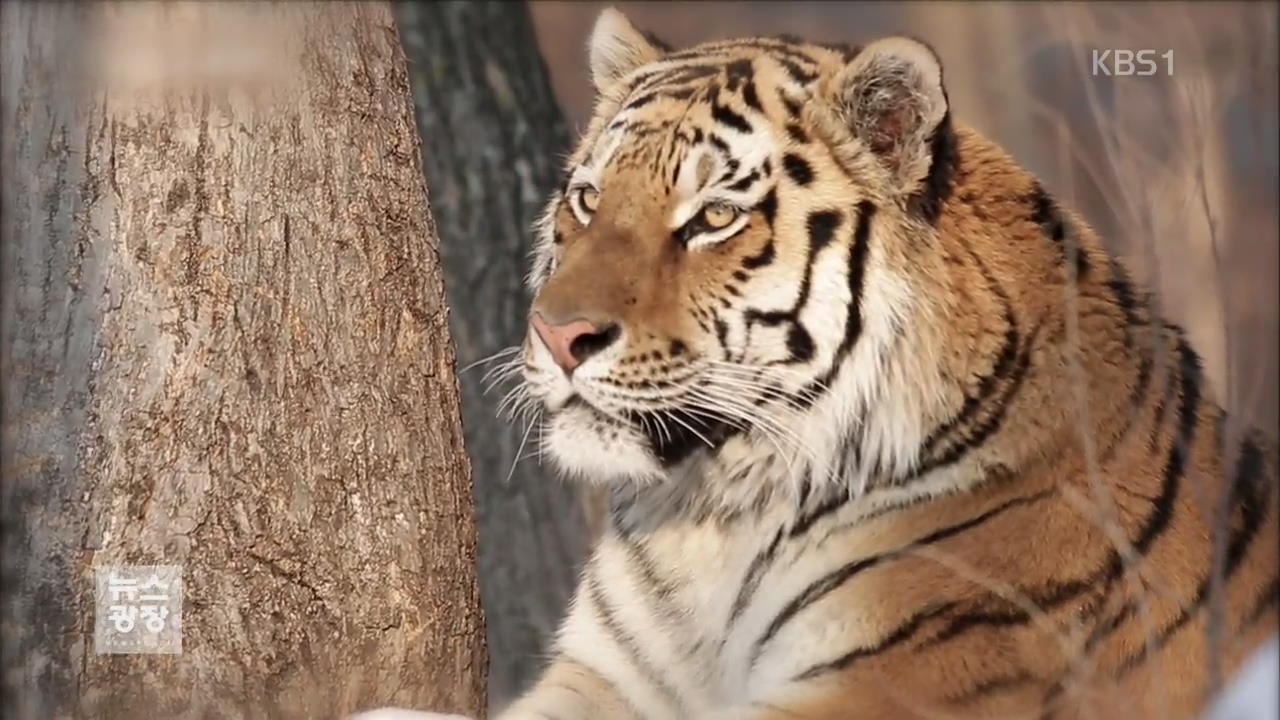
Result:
[[479, 80], [225, 347]]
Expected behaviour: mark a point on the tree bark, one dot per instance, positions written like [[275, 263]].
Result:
[[225, 347], [479, 80]]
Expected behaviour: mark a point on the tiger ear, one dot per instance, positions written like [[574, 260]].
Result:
[[617, 47], [891, 95]]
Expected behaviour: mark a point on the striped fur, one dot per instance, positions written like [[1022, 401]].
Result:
[[904, 441]]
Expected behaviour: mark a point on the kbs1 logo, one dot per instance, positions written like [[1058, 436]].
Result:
[[1126, 63]]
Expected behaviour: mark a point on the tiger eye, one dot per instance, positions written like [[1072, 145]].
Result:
[[590, 198], [719, 215]]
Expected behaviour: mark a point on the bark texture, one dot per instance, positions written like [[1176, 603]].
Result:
[[225, 346], [479, 80]]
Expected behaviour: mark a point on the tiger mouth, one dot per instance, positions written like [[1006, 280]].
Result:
[[672, 435]]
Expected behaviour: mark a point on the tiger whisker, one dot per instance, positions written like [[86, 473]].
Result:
[[490, 358], [519, 451]]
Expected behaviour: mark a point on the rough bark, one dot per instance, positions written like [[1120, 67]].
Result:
[[225, 346], [479, 80]]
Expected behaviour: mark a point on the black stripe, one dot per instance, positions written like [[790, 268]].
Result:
[[726, 116], [902, 633], [736, 73], [1045, 213], [977, 435], [764, 257], [1161, 409], [1042, 211], [1103, 579], [769, 208], [658, 592], [746, 182], [1253, 506], [990, 686], [768, 318], [1162, 638], [806, 487], [709, 51], [625, 641], [750, 97], [1006, 359], [1047, 598], [1158, 521], [784, 46], [965, 622], [750, 583], [858, 251], [1122, 288], [1155, 523], [943, 161], [836, 579], [847, 52], [1266, 600], [1248, 493], [838, 499], [1011, 365], [1104, 629], [797, 134], [640, 101], [722, 334], [675, 76], [1074, 253], [822, 225], [792, 107], [797, 73], [799, 344], [773, 47], [798, 169], [1129, 302], [643, 565]]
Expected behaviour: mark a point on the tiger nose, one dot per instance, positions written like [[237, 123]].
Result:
[[573, 342]]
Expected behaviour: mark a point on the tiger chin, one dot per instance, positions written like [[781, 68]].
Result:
[[889, 433]]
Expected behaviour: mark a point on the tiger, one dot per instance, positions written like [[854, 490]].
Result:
[[886, 431]]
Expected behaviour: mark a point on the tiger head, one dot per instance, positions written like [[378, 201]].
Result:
[[744, 264]]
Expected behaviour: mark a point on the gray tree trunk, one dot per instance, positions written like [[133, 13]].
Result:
[[479, 80], [225, 347]]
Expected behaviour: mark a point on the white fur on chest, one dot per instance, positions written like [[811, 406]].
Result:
[[672, 592]]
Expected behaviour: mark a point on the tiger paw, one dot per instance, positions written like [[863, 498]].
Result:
[[402, 714]]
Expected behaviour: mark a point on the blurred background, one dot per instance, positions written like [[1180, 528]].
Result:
[[1177, 172]]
